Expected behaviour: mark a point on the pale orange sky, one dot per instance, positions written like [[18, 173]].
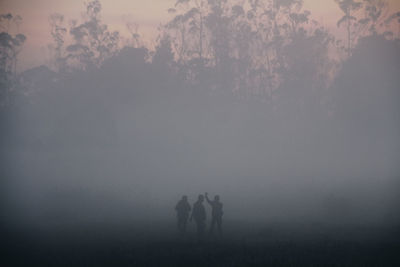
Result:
[[148, 14]]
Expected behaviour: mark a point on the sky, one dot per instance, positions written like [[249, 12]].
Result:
[[115, 13]]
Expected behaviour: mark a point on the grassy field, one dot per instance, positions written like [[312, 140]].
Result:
[[243, 244]]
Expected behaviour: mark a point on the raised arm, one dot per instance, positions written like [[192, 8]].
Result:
[[208, 200]]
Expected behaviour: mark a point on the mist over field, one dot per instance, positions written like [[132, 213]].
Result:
[[255, 102]]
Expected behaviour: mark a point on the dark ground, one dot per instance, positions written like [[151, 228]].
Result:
[[245, 244]]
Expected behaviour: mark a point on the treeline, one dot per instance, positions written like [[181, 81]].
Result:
[[266, 50], [254, 67]]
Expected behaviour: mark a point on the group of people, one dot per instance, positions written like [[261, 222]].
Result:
[[198, 214]]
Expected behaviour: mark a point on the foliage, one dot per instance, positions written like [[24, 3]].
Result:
[[364, 18], [93, 42], [58, 32], [10, 46], [245, 44]]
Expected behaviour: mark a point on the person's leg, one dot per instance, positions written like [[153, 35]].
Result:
[[202, 225], [219, 225], [184, 224], [179, 224], [198, 229], [212, 225]]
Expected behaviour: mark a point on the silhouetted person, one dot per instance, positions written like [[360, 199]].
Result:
[[199, 216], [182, 213], [216, 214]]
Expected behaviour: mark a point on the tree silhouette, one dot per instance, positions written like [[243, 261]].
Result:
[[364, 18], [348, 7], [377, 18], [58, 32], [93, 42], [10, 46]]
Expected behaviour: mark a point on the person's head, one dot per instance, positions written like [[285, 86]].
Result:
[[216, 198], [201, 198], [184, 198]]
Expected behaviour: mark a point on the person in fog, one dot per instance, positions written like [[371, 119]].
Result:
[[216, 214], [199, 216], [182, 211]]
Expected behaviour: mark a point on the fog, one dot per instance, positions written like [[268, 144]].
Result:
[[309, 135]]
